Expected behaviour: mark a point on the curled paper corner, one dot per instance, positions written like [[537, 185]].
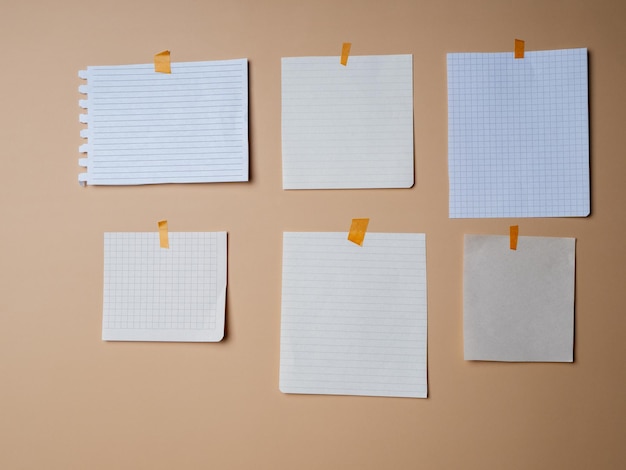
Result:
[[519, 49], [163, 234], [357, 231], [345, 52], [162, 62]]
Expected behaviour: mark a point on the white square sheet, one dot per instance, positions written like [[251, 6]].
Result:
[[347, 126]]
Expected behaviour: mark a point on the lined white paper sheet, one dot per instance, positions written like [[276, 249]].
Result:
[[518, 305], [144, 127], [164, 294], [354, 318], [347, 126], [518, 134]]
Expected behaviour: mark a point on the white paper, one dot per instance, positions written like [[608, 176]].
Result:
[[144, 127], [347, 126], [518, 305], [164, 294], [354, 318], [518, 134]]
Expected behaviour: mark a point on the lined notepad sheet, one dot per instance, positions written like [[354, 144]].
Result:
[[354, 318], [518, 305], [164, 294], [144, 127], [518, 134], [347, 126]]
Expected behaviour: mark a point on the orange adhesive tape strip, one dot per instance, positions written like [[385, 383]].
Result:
[[163, 235], [162, 62], [513, 234], [519, 49], [345, 52], [357, 231]]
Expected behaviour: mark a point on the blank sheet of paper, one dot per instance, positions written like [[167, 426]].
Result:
[[164, 294], [354, 318], [518, 305], [144, 127], [518, 134], [347, 126]]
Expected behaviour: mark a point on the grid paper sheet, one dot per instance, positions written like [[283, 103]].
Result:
[[159, 294], [518, 134], [354, 319], [347, 126], [144, 127]]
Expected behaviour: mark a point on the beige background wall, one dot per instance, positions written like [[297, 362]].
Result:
[[71, 401]]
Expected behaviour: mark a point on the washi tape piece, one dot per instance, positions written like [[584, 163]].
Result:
[[345, 52], [163, 236], [162, 62], [357, 231], [513, 234], [519, 49]]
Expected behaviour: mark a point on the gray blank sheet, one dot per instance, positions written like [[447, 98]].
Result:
[[518, 305], [518, 134], [354, 318]]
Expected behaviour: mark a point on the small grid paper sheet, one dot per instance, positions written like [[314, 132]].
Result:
[[518, 134], [158, 294]]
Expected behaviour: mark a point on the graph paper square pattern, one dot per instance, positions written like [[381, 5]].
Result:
[[354, 318], [348, 126], [164, 294], [518, 134]]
